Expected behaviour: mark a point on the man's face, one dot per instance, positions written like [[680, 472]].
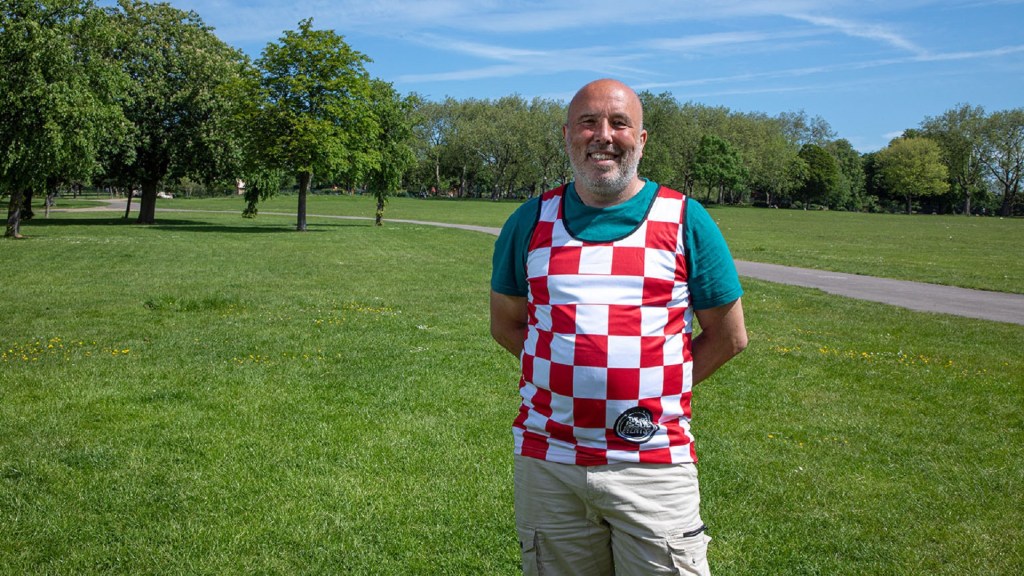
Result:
[[604, 138]]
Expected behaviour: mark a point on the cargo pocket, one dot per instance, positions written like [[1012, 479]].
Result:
[[690, 553], [528, 552]]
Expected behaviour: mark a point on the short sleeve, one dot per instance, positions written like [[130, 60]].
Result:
[[508, 264], [713, 280]]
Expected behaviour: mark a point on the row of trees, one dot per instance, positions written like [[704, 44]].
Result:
[[963, 161], [142, 95]]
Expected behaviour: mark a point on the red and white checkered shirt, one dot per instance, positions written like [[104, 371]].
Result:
[[606, 365]]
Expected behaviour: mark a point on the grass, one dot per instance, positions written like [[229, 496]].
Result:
[[216, 395], [980, 253], [971, 252]]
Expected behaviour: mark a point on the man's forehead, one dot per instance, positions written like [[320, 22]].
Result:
[[616, 104]]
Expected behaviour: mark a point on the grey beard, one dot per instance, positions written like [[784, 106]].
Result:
[[605, 187]]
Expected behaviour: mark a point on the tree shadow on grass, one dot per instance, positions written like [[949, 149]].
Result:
[[166, 224]]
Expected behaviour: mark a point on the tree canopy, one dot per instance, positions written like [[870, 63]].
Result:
[[913, 168], [314, 108], [178, 104], [59, 96]]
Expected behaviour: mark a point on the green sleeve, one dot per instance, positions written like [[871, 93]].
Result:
[[713, 280], [508, 265]]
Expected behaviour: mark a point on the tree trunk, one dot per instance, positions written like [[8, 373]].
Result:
[[128, 207], [305, 178], [51, 199], [14, 214], [147, 204], [26, 206], [910, 205], [379, 221], [437, 175]]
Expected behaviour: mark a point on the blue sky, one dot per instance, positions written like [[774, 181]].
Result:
[[871, 68]]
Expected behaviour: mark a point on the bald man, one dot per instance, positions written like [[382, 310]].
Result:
[[594, 288]]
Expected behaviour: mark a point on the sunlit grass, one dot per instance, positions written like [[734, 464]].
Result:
[[218, 395], [971, 252]]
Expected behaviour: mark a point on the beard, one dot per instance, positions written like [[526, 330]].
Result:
[[607, 184]]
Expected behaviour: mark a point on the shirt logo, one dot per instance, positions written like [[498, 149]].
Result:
[[636, 425]]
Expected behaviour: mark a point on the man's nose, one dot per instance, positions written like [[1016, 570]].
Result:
[[603, 131]]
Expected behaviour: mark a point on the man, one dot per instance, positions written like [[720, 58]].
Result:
[[594, 288]]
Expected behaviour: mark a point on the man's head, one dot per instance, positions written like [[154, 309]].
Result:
[[604, 138]]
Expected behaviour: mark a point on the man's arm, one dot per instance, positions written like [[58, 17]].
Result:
[[508, 321], [723, 335]]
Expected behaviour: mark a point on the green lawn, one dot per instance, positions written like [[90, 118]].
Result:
[[217, 395], [971, 252]]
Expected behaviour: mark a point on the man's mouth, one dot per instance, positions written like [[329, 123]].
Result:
[[601, 156]]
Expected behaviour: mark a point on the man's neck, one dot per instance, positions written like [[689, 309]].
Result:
[[607, 200]]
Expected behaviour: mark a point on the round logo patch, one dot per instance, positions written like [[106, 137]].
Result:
[[636, 425]]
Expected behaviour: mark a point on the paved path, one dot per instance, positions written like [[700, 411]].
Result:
[[981, 304]]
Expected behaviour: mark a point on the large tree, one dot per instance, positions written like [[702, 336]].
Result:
[[59, 93], [179, 105], [912, 167], [672, 141], [316, 108], [959, 133], [849, 191], [393, 144], [549, 164], [717, 165], [822, 175], [1003, 154]]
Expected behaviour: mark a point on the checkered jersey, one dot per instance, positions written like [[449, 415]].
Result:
[[608, 332]]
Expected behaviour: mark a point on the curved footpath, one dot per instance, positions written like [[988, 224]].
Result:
[[981, 304]]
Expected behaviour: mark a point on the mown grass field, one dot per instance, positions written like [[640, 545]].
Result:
[[213, 395], [971, 252]]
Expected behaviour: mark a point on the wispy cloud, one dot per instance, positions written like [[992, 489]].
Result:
[[831, 68], [513, 62], [877, 32], [702, 42]]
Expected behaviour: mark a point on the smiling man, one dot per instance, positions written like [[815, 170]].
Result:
[[594, 288]]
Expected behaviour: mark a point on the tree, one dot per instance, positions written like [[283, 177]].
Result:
[[58, 98], [959, 134], [315, 108], [776, 169], [393, 143], [849, 191], [431, 131], [717, 165], [179, 104], [802, 130], [672, 141], [822, 175], [548, 163], [502, 151], [1003, 154], [912, 167]]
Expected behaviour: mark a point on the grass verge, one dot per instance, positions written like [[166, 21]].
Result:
[[970, 252]]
